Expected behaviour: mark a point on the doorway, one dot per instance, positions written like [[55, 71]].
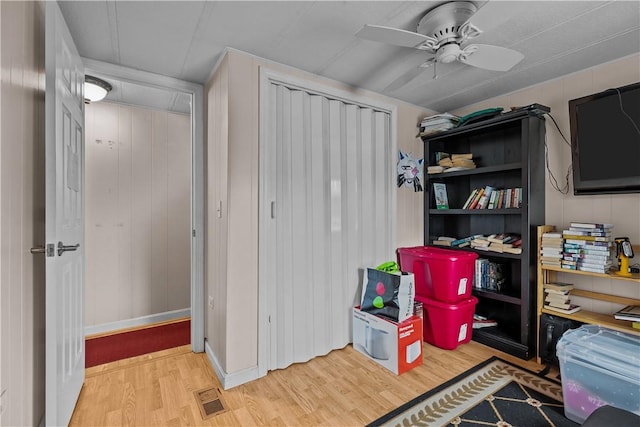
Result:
[[146, 213]]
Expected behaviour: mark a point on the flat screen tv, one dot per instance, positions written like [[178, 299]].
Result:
[[605, 141]]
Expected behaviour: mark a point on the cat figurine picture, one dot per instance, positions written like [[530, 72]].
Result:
[[410, 171]]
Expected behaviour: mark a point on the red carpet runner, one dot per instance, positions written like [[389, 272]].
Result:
[[134, 343]]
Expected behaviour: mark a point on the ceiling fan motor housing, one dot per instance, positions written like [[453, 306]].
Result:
[[443, 22]]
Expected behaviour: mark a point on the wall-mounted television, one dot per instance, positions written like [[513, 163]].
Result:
[[605, 141]]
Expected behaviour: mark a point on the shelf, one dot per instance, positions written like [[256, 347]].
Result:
[[635, 277], [590, 317], [510, 211], [607, 320], [477, 171], [499, 120], [481, 253], [497, 296], [509, 153], [495, 338]]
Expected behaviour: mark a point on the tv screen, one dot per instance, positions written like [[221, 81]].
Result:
[[605, 141]]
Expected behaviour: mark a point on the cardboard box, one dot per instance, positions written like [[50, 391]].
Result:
[[396, 346]]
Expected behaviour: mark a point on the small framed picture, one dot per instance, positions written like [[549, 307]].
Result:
[[440, 193]]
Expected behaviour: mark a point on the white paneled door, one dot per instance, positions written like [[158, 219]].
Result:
[[327, 213], [64, 144]]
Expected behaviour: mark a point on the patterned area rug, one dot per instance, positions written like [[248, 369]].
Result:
[[494, 393]]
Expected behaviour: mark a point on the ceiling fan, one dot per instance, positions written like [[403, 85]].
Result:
[[444, 32]]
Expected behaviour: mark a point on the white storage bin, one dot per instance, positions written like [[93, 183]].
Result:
[[599, 367]]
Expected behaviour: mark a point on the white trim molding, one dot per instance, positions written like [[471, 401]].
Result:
[[135, 322], [230, 380]]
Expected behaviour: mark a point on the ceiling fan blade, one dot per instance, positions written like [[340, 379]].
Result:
[[390, 35], [408, 76], [490, 57]]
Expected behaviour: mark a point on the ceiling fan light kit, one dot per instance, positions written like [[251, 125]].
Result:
[[442, 32]]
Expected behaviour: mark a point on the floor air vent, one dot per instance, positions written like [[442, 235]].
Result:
[[210, 402]]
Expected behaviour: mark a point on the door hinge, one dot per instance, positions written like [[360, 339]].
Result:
[[193, 233]]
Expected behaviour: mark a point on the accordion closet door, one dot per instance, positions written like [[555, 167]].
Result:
[[327, 212]]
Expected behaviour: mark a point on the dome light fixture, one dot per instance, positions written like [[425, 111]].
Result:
[[95, 89]]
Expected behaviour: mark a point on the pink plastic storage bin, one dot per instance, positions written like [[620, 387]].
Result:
[[444, 275], [447, 325]]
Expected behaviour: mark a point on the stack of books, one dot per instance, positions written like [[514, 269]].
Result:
[[483, 322], [630, 313], [557, 297], [505, 243], [438, 123], [481, 243], [588, 247], [454, 162], [551, 248]]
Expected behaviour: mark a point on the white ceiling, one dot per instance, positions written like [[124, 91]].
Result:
[[184, 39]]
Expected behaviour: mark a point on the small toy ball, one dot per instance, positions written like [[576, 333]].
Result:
[[377, 302]]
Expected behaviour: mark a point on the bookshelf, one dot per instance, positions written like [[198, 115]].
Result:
[[509, 152], [548, 274]]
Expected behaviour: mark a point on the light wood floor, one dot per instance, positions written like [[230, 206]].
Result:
[[343, 388]]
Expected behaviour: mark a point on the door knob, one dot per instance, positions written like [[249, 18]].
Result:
[[48, 249], [62, 248]]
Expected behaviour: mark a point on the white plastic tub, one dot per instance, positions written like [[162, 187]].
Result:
[[599, 366]]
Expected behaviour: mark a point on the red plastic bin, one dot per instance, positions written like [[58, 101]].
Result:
[[444, 275], [447, 325]]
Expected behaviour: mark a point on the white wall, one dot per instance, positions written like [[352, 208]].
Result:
[[138, 210], [232, 178], [21, 212], [622, 210]]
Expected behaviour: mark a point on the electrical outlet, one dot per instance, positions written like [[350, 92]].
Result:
[[210, 302]]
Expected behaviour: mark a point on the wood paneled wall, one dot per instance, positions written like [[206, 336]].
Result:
[[22, 198], [138, 210]]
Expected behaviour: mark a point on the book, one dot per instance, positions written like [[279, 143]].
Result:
[[441, 243], [572, 309], [557, 297], [484, 199], [630, 312], [590, 225], [552, 235], [476, 199], [559, 304], [558, 286], [555, 291], [512, 250], [477, 324], [440, 193], [435, 169], [470, 198], [501, 200]]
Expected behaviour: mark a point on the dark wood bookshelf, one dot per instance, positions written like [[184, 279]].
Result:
[[509, 152]]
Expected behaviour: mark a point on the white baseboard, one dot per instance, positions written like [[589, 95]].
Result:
[[138, 321], [230, 380]]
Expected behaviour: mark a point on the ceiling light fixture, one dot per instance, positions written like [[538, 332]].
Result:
[[95, 89]]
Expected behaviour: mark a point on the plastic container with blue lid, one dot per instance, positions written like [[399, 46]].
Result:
[[599, 367]]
